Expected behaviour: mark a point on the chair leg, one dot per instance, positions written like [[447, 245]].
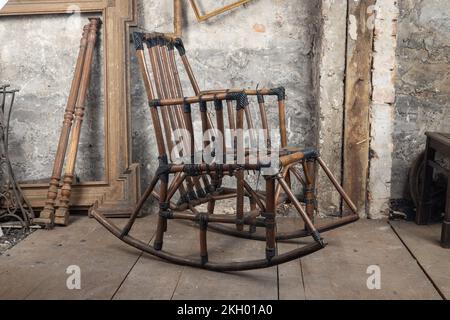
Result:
[[278, 187], [338, 187], [211, 206], [139, 206], [270, 215], [310, 192], [240, 199], [309, 225], [203, 241], [253, 207], [163, 209]]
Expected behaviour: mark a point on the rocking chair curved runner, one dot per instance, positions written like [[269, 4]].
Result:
[[200, 183]]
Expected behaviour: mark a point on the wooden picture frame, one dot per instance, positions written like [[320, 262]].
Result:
[[205, 16], [120, 191]]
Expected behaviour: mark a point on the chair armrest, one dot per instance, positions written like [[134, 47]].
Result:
[[240, 98], [280, 92]]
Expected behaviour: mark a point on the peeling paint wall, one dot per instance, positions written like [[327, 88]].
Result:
[[266, 43], [423, 84], [297, 44], [330, 95], [38, 56], [382, 108]]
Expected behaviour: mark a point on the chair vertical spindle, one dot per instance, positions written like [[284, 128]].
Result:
[[283, 132], [206, 126], [154, 53], [157, 77], [269, 216], [264, 121], [205, 123], [166, 93], [221, 127], [203, 240], [250, 127], [201, 192], [172, 92], [239, 149], [190, 128], [231, 120], [190, 73]]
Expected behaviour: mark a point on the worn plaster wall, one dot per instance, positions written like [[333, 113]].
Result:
[[423, 83], [329, 86], [296, 44], [267, 43], [38, 56], [384, 20]]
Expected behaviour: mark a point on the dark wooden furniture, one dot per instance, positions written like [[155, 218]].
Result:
[[185, 181], [436, 143]]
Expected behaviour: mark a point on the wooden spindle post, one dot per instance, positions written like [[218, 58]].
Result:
[[47, 216], [62, 214]]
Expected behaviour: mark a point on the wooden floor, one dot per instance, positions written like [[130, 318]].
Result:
[[36, 268]]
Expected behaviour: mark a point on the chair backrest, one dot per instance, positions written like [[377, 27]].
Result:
[[162, 82]]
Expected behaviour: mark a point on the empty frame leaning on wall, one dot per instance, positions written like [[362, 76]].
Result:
[[118, 194], [205, 16]]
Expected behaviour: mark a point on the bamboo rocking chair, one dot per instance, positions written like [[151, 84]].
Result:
[[201, 183]]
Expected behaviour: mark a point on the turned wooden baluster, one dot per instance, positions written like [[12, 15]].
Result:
[[62, 214], [47, 216]]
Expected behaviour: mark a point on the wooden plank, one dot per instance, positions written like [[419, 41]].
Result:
[[423, 242], [167, 281], [155, 279], [33, 271], [253, 285], [358, 89], [290, 275], [340, 270], [36, 267]]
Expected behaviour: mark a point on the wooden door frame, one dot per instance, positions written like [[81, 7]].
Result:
[[121, 188]]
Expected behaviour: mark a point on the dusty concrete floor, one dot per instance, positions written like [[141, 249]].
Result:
[[36, 267]]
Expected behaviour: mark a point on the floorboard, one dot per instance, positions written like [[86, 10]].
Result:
[[340, 270], [424, 244], [167, 281], [290, 275], [36, 268]]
